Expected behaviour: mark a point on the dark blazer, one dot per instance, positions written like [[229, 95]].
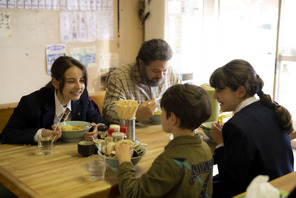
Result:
[[37, 110], [254, 144]]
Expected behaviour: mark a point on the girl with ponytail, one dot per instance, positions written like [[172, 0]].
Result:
[[255, 141]]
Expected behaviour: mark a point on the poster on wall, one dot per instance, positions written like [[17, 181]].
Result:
[[77, 26], [86, 55], [52, 53], [88, 26], [105, 18]]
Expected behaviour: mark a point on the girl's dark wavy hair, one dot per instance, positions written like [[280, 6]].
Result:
[[60, 66], [241, 73]]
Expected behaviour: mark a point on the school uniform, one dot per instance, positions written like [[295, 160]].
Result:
[[37, 110], [254, 144]]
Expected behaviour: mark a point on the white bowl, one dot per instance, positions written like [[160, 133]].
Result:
[[74, 135], [155, 119]]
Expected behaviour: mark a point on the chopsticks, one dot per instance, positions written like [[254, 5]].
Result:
[[60, 121], [126, 109], [155, 100]]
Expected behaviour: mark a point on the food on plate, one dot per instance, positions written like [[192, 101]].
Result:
[[109, 148], [223, 116], [129, 142], [68, 127], [157, 112], [109, 139]]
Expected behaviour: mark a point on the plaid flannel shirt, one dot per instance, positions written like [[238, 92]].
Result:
[[125, 83]]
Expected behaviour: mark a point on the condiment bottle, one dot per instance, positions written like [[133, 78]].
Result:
[[109, 138], [110, 131], [117, 136], [123, 130]]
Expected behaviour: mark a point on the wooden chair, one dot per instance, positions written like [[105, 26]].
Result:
[[6, 111], [98, 97]]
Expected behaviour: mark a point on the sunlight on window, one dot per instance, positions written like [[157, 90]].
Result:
[[287, 79], [205, 35]]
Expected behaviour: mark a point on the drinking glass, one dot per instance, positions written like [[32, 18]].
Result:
[[45, 145], [96, 167]]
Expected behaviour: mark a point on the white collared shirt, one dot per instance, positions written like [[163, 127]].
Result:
[[245, 103], [59, 109]]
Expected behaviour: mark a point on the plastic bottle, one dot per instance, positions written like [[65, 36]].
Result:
[[123, 130], [109, 138], [110, 131]]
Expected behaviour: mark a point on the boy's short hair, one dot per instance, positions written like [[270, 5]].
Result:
[[190, 103]]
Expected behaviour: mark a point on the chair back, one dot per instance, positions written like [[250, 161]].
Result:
[[98, 97], [6, 111]]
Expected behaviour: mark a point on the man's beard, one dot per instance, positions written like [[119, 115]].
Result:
[[149, 82]]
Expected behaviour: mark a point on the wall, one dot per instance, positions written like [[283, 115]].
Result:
[[23, 55], [155, 19]]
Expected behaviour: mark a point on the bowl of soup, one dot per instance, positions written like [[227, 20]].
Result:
[[138, 154], [155, 119], [74, 131], [108, 149]]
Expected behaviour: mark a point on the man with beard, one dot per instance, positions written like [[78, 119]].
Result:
[[143, 81]]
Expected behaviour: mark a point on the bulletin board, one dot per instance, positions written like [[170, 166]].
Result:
[[23, 52]]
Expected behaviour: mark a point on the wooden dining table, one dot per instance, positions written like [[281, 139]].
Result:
[[64, 173], [285, 183]]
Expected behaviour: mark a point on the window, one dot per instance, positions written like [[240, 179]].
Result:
[[207, 34], [286, 72]]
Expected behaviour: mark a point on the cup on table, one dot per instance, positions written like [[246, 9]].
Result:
[[86, 147], [96, 167], [99, 143], [45, 145]]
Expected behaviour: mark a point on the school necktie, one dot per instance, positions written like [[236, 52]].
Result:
[[65, 116]]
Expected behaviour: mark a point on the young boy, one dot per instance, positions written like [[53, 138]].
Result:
[[184, 169]]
